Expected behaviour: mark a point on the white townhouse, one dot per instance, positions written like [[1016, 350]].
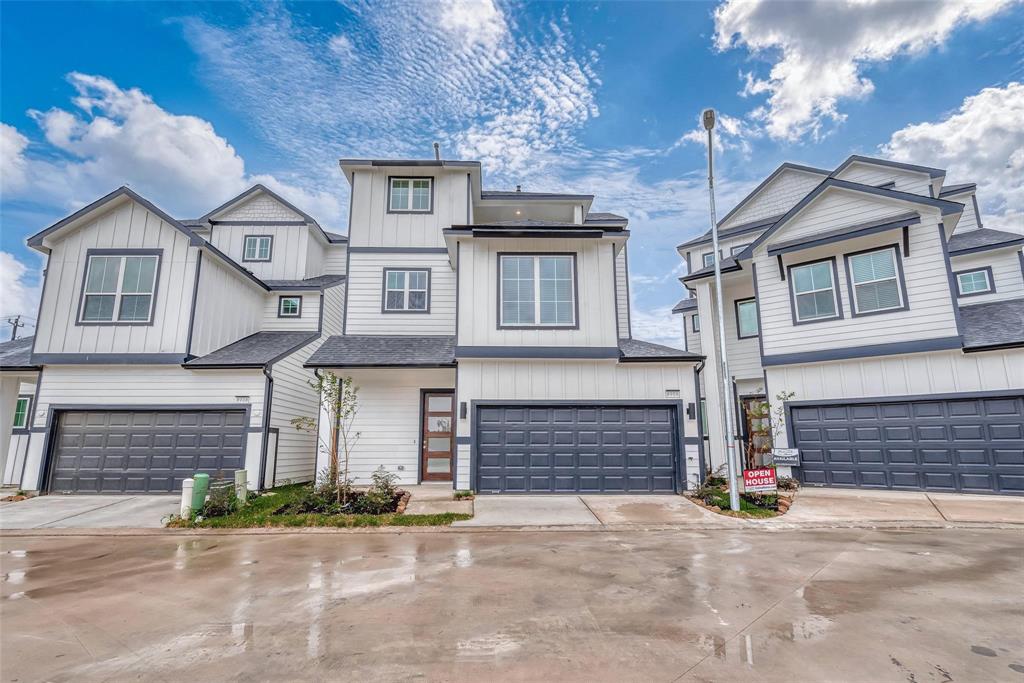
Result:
[[164, 347], [488, 333], [874, 295]]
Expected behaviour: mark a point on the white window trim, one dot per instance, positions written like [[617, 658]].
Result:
[[258, 239], [118, 293], [536, 293], [406, 289], [897, 276], [988, 282], [837, 313], [409, 199], [280, 307]]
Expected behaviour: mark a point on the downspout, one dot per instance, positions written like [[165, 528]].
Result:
[[700, 423]]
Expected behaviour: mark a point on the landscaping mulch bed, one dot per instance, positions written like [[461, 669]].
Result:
[[716, 499]]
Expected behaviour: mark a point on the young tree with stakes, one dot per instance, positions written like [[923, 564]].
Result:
[[340, 397]]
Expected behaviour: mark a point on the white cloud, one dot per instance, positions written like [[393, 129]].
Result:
[[117, 136], [474, 23], [658, 325], [982, 142], [341, 46], [819, 50], [18, 297], [730, 134]]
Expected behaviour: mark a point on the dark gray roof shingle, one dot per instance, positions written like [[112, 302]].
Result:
[[384, 351], [723, 233], [604, 217], [995, 324], [319, 282], [956, 189], [334, 237], [254, 351], [17, 354], [685, 305], [729, 264], [636, 350], [982, 238]]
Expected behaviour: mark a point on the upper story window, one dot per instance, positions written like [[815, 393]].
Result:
[[258, 248], [695, 323], [406, 291], [875, 281], [709, 259], [21, 412], [119, 287], [738, 248], [537, 290], [410, 195], [289, 307], [971, 282], [813, 291], [746, 318]]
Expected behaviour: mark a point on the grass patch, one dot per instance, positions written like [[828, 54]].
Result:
[[721, 499], [260, 511]]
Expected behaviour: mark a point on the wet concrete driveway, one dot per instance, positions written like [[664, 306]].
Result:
[[852, 605]]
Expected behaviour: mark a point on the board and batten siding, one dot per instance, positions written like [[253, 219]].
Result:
[[128, 226], [228, 307], [289, 252], [622, 294], [917, 374], [478, 295], [926, 283], [582, 380], [1007, 274], [293, 397], [373, 226], [914, 182], [388, 421], [777, 197], [310, 311], [334, 309], [366, 290], [335, 260], [147, 385], [17, 451]]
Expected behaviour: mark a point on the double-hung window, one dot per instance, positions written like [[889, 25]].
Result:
[[537, 290], [746, 318], [970, 282], [119, 288], [814, 291], [406, 291], [410, 195], [875, 282], [289, 307], [258, 248], [21, 410]]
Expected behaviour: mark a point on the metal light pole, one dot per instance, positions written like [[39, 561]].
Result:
[[730, 428]]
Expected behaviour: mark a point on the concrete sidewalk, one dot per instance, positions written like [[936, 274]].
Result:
[[89, 512], [569, 510], [816, 505]]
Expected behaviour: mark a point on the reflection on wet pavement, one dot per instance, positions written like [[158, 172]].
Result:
[[796, 605]]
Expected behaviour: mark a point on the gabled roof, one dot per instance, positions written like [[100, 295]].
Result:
[[723, 233], [684, 305], [787, 166], [995, 325], [345, 351], [636, 351], [251, 191], [17, 354], [255, 351], [36, 241], [858, 158], [982, 239], [945, 206]]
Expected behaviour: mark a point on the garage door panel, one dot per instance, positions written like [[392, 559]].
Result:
[[970, 445], [143, 451], [576, 449]]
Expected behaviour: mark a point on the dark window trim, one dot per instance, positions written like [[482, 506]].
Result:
[[991, 281], [695, 323], [901, 282], [575, 292], [736, 308], [704, 258], [835, 291], [270, 257], [159, 253], [24, 429], [738, 248], [280, 300], [384, 291], [433, 182]]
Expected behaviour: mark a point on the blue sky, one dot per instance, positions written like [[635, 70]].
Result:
[[190, 103]]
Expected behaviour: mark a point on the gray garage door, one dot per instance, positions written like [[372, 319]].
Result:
[[576, 449], [970, 445], [143, 451]]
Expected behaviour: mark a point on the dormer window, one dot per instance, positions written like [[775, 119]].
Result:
[[410, 195], [119, 286], [258, 248]]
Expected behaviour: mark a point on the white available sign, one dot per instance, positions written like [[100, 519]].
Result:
[[786, 456]]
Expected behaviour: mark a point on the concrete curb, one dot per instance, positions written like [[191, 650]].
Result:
[[590, 528]]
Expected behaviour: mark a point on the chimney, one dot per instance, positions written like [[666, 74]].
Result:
[[437, 151], [519, 188]]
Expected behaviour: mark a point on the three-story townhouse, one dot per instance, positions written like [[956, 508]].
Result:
[[879, 319]]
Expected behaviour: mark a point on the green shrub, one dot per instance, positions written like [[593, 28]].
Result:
[[382, 496], [222, 500]]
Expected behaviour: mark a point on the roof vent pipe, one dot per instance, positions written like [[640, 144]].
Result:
[[437, 151]]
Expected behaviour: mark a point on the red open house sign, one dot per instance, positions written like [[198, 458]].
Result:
[[760, 480]]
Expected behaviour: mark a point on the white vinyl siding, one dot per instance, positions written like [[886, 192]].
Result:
[[293, 397], [373, 226], [914, 182], [814, 291], [334, 309], [229, 307], [479, 296], [537, 290], [125, 226], [622, 292], [310, 313], [969, 219], [335, 260], [875, 280], [1007, 274], [776, 198], [365, 303]]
